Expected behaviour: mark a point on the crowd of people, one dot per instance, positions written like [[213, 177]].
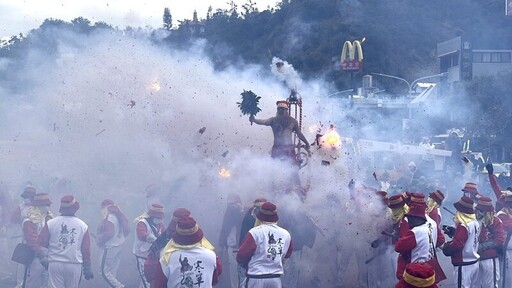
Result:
[[478, 244], [256, 251], [55, 251], [253, 247]]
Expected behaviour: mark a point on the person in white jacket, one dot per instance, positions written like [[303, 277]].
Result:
[[68, 242], [148, 227], [111, 235]]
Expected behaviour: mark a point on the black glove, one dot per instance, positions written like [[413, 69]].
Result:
[[445, 251], [449, 231], [43, 259], [88, 272], [489, 168]]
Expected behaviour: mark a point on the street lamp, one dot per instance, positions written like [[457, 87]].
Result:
[[339, 92], [430, 76], [410, 85], [396, 77]]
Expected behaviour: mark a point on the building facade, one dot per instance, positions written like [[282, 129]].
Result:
[[465, 58]]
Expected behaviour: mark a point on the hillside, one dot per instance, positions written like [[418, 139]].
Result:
[[401, 36]]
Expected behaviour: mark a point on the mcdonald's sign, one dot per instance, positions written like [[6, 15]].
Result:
[[350, 50]]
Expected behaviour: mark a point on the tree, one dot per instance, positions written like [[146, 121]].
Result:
[[209, 13], [167, 19], [249, 8], [82, 25], [233, 9]]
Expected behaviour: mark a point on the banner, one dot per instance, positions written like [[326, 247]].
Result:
[[466, 61]]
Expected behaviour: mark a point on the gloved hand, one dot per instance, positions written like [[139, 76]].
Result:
[[43, 259], [88, 275], [449, 231], [445, 251], [489, 168]]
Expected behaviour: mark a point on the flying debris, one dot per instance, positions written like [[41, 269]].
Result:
[[101, 132], [225, 153], [201, 131], [132, 103]]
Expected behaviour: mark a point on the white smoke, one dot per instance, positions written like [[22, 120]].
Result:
[[285, 72], [112, 114]]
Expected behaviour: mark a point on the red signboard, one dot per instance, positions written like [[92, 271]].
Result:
[[352, 65]]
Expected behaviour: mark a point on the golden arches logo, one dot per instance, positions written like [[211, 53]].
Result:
[[348, 56], [352, 51]]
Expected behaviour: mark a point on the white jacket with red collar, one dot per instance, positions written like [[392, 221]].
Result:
[[264, 249]]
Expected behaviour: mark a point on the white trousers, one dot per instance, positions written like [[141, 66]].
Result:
[[64, 275], [5, 257], [263, 283], [140, 268], [109, 264], [466, 276], [489, 273], [233, 267], [507, 270], [36, 275], [241, 276]]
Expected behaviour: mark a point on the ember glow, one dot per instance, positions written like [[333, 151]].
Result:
[[155, 86], [332, 138], [224, 173]]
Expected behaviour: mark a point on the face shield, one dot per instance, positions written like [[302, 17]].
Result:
[[157, 221]]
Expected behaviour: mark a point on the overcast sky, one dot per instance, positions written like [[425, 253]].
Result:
[[20, 16]]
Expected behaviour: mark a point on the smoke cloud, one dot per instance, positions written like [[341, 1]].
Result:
[[108, 114]]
